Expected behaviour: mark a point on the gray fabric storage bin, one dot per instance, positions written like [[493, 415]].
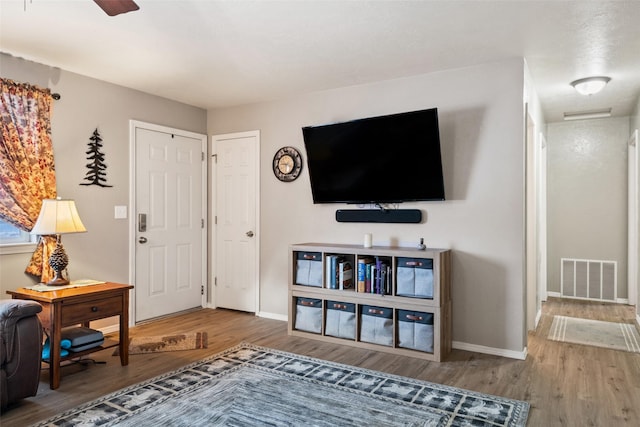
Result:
[[415, 330], [308, 315], [82, 338], [414, 277], [341, 320], [309, 269], [376, 325]]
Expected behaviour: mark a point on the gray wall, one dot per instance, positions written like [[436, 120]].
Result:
[[587, 194], [103, 252], [481, 221], [481, 125]]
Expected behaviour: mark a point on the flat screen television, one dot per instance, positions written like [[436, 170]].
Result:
[[385, 159]]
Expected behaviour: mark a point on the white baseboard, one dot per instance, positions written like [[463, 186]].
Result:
[[559, 295], [538, 317], [273, 316], [521, 355], [110, 329]]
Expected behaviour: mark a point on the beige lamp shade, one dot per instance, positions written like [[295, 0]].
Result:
[[58, 216]]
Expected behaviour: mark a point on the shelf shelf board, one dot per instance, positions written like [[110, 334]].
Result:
[[75, 354]]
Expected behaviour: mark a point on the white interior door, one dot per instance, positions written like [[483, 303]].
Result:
[[169, 217], [237, 234]]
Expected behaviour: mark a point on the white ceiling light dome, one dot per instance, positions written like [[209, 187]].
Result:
[[590, 85]]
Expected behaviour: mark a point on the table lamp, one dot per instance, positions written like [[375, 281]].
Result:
[[58, 216]]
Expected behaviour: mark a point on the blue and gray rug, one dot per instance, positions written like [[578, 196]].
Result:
[[256, 386]]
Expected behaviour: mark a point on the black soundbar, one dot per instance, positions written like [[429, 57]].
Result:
[[398, 216]]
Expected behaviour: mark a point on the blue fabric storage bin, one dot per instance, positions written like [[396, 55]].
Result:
[[309, 315], [376, 325], [414, 277], [341, 320], [309, 269], [415, 330]]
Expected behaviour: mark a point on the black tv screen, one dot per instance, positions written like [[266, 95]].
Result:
[[386, 159]]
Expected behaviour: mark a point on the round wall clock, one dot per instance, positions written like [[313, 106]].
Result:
[[287, 164]]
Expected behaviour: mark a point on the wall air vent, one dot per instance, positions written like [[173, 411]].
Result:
[[588, 279]]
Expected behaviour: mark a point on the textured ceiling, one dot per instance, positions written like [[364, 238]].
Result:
[[221, 53]]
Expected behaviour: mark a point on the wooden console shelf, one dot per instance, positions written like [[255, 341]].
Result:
[[404, 308]]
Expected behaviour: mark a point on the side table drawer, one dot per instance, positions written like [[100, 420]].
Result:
[[91, 310]]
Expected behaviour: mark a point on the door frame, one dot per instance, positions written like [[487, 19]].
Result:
[[542, 222], [134, 125], [531, 213], [634, 220], [214, 211]]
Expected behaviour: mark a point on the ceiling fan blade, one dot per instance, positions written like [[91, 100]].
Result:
[[116, 7]]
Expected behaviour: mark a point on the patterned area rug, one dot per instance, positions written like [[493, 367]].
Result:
[[145, 345], [617, 336], [255, 386]]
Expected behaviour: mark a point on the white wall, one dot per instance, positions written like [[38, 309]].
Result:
[[481, 125], [101, 253], [587, 194]]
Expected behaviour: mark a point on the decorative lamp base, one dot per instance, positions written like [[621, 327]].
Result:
[[58, 280], [58, 262]]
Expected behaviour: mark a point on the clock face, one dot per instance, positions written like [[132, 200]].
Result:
[[287, 164]]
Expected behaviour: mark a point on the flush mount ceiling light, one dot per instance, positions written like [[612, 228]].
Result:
[[590, 85], [592, 114]]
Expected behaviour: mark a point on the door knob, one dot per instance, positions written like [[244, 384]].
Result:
[[249, 233], [142, 240]]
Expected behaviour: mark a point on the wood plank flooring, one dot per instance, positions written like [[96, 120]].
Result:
[[566, 384]]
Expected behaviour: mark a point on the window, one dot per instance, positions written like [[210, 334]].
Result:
[[10, 234]]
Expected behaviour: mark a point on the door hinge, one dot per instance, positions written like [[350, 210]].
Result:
[[215, 281], [202, 223], [215, 158], [202, 156], [201, 289], [215, 220]]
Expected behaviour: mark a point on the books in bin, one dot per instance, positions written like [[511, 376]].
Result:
[[331, 271], [363, 266], [345, 275], [374, 276], [339, 273]]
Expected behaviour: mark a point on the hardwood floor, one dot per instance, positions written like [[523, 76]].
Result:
[[566, 384]]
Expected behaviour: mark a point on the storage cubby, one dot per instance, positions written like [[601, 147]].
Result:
[[404, 309]]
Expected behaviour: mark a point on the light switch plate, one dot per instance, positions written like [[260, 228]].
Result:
[[120, 212]]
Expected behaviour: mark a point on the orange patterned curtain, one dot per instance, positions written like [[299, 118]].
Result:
[[26, 161]]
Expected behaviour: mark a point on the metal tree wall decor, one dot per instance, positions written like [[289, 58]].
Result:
[[97, 173]]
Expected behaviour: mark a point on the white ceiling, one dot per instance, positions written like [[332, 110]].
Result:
[[221, 53]]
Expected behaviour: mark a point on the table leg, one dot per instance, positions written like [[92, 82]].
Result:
[[55, 337], [124, 330]]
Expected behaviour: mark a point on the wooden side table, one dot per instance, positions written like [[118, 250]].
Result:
[[73, 306]]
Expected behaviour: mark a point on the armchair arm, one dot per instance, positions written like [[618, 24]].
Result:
[[11, 311]]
